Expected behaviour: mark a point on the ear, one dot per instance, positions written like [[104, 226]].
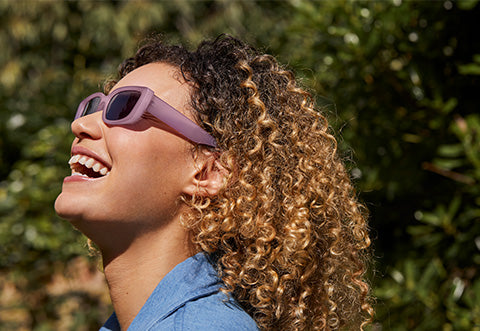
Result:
[[208, 177]]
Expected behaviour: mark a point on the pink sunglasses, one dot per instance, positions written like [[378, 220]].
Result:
[[126, 105]]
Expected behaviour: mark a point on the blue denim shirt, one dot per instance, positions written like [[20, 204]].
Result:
[[188, 298]]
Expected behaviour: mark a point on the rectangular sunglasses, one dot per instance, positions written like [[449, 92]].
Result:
[[126, 105]]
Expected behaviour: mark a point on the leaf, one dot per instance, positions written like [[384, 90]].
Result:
[[466, 4], [452, 151], [469, 69], [448, 164]]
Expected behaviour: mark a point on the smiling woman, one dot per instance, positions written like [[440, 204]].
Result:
[[213, 190]]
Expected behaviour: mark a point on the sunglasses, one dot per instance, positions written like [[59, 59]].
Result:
[[126, 105]]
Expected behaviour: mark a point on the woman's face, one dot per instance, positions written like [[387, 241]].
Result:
[[148, 165]]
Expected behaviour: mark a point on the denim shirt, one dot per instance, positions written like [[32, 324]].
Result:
[[188, 298]]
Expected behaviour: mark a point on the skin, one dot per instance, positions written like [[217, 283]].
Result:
[[133, 213]]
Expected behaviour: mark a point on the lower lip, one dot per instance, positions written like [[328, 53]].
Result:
[[70, 179]]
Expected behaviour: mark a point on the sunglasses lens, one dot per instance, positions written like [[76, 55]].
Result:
[[91, 106], [121, 105]]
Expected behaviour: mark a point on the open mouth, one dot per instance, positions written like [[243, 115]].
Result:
[[83, 165]]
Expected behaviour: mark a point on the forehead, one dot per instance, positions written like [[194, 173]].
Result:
[[165, 80]]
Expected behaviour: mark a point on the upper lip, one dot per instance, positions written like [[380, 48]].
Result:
[[85, 151]]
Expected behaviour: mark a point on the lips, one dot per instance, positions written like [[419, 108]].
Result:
[[87, 164]]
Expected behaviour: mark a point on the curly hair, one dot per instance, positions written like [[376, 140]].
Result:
[[288, 232]]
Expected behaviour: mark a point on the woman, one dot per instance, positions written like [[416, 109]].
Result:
[[213, 190]]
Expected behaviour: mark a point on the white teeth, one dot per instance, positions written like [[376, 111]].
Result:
[[78, 174], [82, 160], [87, 162], [74, 159]]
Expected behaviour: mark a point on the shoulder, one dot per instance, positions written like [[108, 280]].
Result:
[[215, 312]]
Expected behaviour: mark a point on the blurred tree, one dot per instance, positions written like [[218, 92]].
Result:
[[398, 81]]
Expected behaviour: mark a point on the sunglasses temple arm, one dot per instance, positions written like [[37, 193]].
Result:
[[182, 124]]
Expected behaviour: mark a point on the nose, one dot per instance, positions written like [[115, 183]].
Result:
[[89, 126]]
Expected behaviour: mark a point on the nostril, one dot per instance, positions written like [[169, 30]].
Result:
[[88, 127]]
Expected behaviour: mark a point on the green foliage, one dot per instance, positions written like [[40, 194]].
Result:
[[398, 81], [440, 288]]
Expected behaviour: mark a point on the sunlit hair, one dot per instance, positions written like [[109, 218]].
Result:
[[287, 230]]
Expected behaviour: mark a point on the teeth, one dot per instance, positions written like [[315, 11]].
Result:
[[78, 174], [74, 159], [89, 163]]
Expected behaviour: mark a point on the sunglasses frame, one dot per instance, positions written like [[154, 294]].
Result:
[[148, 101]]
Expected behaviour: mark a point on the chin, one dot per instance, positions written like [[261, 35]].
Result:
[[61, 207], [71, 212], [67, 209]]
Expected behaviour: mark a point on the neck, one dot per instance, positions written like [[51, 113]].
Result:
[[133, 274]]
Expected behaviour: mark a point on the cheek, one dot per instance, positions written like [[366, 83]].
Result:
[[152, 162]]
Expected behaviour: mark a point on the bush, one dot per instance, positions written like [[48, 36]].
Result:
[[398, 81]]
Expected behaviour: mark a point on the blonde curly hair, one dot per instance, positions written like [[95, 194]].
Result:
[[288, 234]]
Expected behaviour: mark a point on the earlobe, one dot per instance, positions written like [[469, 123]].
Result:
[[208, 179]]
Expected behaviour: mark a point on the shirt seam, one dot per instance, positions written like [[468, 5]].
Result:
[[179, 319]]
